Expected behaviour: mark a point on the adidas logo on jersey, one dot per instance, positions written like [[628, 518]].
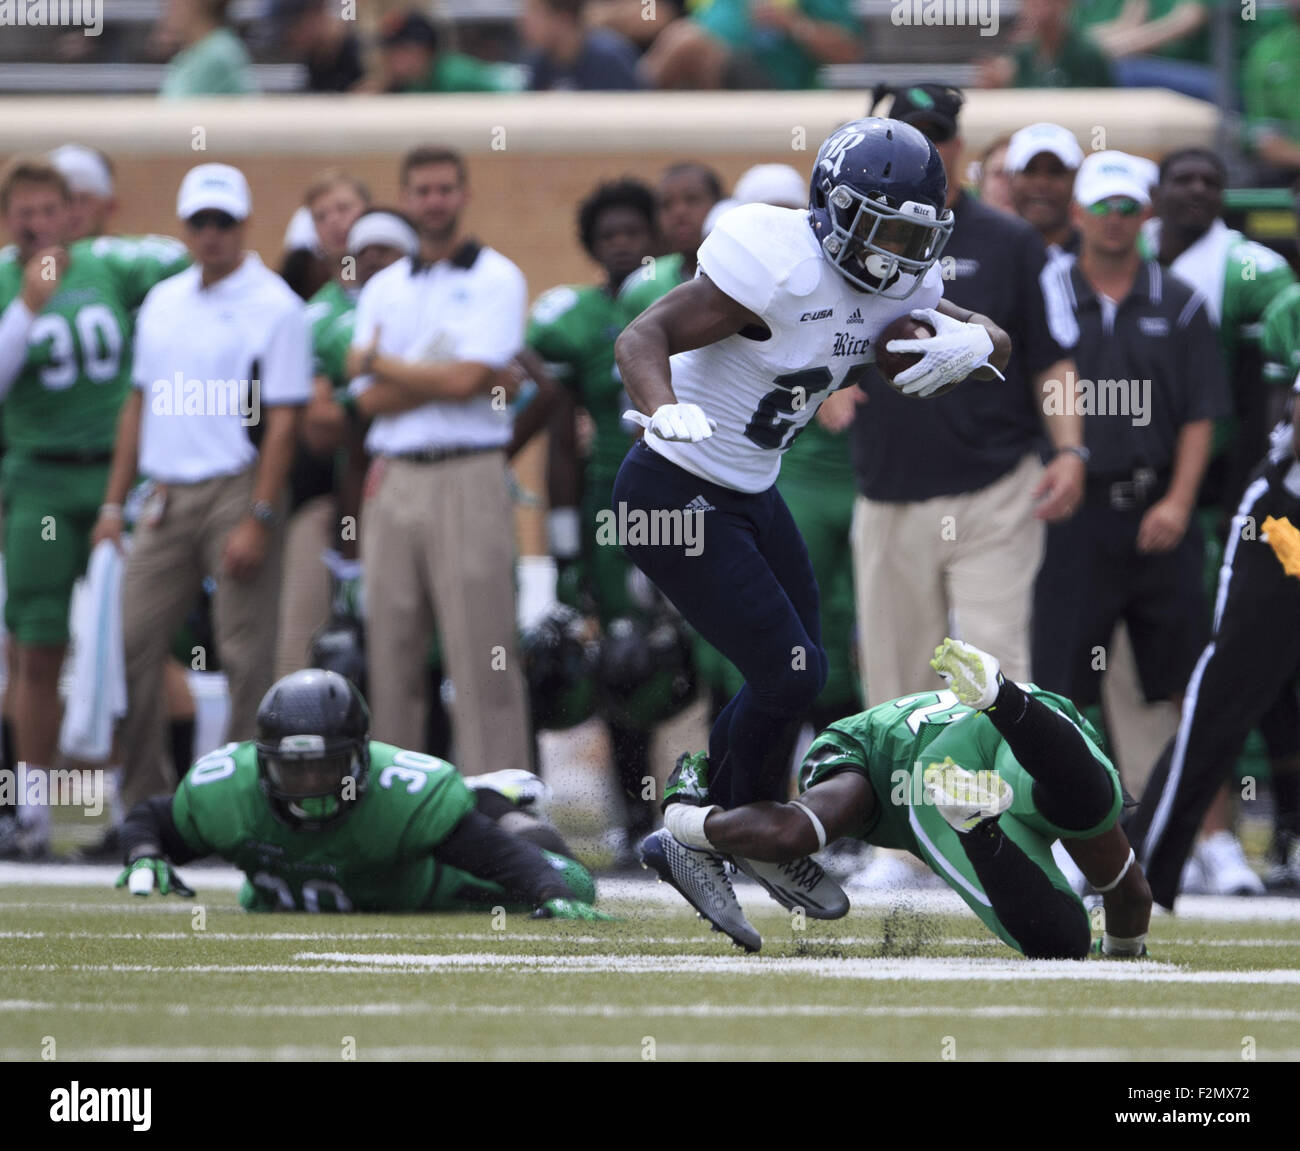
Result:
[[700, 504], [856, 318]]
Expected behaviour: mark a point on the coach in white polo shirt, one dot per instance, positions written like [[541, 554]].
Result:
[[437, 527], [222, 353]]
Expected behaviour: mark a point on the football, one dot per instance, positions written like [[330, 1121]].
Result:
[[891, 363]]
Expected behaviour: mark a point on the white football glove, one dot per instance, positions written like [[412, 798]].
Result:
[[678, 423], [952, 353]]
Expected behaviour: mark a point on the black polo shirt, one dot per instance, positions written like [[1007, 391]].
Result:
[[907, 449], [1147, 366]]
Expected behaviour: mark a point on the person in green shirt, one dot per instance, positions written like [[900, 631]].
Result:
[[67, 315], [1239, 278], [212, 60], [742, 44], [573, 328], [1153, 43], [685, 195], [321, 818], [977, 782], [415, 60], [1271, 91], [1056, 55]]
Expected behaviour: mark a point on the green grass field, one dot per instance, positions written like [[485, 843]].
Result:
[[110, 977]]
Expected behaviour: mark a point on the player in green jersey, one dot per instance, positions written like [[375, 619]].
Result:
[[66, 316], [977, 782], [683, 199], [319, 817], [573, 328]]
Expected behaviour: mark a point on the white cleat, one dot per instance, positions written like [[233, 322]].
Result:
[[965, 798], [701, 878], [799, 883]]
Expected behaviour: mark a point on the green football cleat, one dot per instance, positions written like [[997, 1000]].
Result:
[[972, 675]]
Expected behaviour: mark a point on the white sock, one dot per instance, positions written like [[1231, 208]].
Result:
[[35, 817], [1116, 945]]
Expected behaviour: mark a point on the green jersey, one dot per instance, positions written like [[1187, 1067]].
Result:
[[78, 367], [1270, 84], [331, 313], [1280, 337], [1240, 279], [887, 742], [892, 745], [573, 329], [380, 857], [644, 286]]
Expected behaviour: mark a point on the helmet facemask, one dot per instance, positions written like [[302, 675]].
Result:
[[311, 784], [882, 249]]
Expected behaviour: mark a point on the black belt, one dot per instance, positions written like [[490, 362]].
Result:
[[1127, 491], [81, 459], [437, 455]]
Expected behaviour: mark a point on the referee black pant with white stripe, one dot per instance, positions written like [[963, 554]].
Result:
[[1253, 653]]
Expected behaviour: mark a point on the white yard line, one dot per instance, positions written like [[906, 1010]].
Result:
[[634, 893], [955, 971], [656, 1011]]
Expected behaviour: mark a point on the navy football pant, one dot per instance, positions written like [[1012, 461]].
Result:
[[750, 591]]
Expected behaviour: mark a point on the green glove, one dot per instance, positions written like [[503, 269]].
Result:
[[572, 909], [150, 871], [689, 781]]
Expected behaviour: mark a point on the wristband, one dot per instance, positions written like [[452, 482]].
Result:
[[1075, 450], [818, 826], [686, 825], [563, 533], [1114, 883], [112, 511]]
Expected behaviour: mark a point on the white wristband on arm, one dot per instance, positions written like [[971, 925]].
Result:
[[818, 826], [564, 533], [686, 825]]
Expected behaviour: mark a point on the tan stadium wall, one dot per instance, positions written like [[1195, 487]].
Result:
[[531, 157]]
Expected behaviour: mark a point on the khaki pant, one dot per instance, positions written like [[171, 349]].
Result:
[[972, 556], [437, 541], [163, 575], [305, 593]]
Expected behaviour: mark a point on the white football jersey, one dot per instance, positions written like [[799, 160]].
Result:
[[762, 392]]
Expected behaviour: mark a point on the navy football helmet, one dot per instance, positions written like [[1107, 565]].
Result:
[[876, 205]]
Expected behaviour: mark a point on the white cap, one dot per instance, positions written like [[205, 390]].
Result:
[[1043, 137], [84, 169], [1148, 170], [778, 184], [214, 187], [721, 208], [301, 233], [383, 228], [1106, 174]]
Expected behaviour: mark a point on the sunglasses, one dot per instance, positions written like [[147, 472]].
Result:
[[1124, 206], [222, 221]]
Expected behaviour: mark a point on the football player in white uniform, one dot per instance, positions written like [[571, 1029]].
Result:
[[725, 371]]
